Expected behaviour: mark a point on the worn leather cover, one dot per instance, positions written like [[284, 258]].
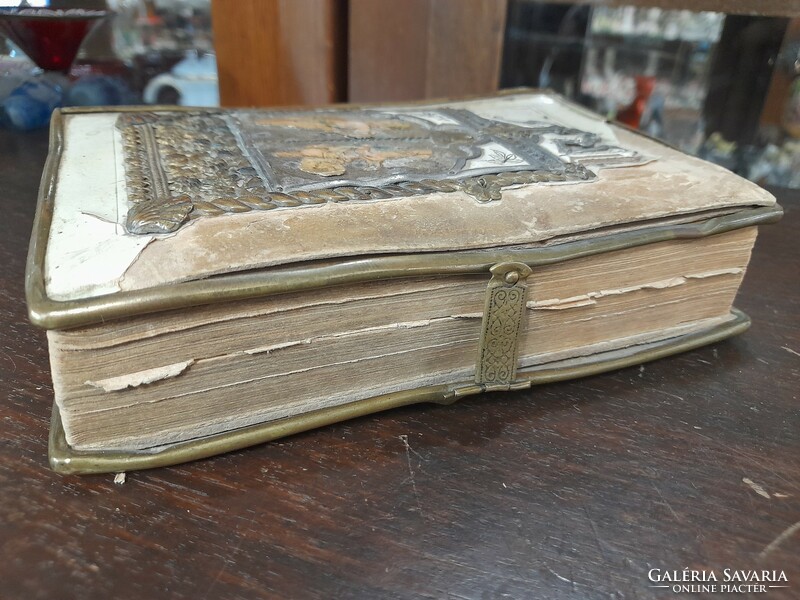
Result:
[[149, 198]]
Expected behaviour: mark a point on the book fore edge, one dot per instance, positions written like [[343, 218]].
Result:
[[67, 460]]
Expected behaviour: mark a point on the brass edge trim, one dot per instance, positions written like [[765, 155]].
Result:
[[64, 459], [36, 296], [53, 314]]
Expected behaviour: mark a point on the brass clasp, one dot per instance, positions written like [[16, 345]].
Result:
[[502, 321]]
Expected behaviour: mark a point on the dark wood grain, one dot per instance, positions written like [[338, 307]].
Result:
[[280, 52], [572, 490], [419, 49]]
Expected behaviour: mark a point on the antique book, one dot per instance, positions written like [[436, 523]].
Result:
[[211, 279]]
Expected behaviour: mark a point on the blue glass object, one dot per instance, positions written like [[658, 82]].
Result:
[[99, 90], [30, 104]]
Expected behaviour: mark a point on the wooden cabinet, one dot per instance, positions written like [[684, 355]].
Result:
[[284, 52]]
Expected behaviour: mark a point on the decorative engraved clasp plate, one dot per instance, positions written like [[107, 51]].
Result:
[[502, 322]]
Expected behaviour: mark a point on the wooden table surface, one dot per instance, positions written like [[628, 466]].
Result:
[[572, 490]]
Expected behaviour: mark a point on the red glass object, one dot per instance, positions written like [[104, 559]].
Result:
[[631, 115], [50, 38]]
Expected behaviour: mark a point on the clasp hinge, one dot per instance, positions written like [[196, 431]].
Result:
[[471, 390]]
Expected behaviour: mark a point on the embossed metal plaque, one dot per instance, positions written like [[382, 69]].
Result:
[[185, 164], [502, 321]]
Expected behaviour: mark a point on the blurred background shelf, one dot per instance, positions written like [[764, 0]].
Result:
[[717, 78], [773, 8]]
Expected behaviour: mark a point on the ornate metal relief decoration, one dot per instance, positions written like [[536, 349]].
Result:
[[184, 165]]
